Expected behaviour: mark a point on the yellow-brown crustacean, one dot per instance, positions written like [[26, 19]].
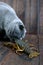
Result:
[[21, 46]]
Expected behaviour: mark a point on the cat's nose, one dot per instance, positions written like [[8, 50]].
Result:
[[21, 27]]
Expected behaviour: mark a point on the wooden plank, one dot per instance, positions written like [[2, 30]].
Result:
[[27, 14], [2, 0], [3, 52], [14, 4], [20, 6], [33, 17], [41, 16], [41, 49], [20, 10]]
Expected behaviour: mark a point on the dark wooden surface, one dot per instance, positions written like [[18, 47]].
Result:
[[9, 57]]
